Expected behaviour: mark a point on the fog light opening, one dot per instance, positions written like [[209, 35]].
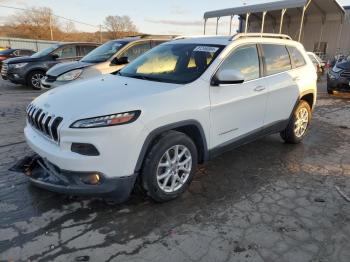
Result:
[[92, 179]]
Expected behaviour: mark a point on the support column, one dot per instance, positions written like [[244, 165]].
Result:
[[281, 22], [246, 22], [231, 24], [263, 22], [217, 25], [205, 24], [339, 36], [302, 19], [321, 34]]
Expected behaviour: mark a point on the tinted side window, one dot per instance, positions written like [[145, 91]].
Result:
[[66, 51], [136, 50], [154, 43], [85, 49], [276, 58], [246, 60], [297, 58]]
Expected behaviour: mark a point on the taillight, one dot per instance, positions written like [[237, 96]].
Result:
[[2, 58]]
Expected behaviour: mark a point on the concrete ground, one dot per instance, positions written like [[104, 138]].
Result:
[[266, 201]]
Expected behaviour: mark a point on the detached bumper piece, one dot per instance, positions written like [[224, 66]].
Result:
[[46, 175]]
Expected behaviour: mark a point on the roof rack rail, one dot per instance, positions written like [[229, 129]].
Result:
[[146, 36], [269, 35]]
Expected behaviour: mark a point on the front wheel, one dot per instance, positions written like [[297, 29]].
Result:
[[298, 124], [329, 89], [34, 79], [169, 166]]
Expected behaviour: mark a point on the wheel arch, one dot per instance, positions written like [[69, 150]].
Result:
[[308, 96], [191, 128], [34, 69]]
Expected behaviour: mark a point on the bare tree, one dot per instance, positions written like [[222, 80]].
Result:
[[118, 26], [36, 22]]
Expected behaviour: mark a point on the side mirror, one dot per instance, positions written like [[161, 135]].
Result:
[[227, 77], [55, 56], [120, 61]]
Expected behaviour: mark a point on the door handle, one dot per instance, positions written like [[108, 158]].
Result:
[[259, 88]]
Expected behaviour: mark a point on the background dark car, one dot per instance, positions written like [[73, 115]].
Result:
[[30, 70], [338, 77], [15, 52]]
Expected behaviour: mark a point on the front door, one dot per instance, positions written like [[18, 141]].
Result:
[[238, 110]]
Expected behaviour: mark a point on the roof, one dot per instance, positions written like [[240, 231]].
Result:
[[209, 40], [226, 40], [274, 8]]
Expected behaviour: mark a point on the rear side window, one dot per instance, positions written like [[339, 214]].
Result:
[[276, 59], [244, 59], [69, 51], [154, 43], [85, 49], [136, 50], [297, 58]]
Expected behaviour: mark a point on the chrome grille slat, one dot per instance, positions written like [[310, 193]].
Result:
[[44, 122]]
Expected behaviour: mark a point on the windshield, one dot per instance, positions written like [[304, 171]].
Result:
[[104, 52], [173, 63], [45, 51]]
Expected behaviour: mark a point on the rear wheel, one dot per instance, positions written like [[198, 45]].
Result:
[[34, 79], [169, 166], [298, 124]]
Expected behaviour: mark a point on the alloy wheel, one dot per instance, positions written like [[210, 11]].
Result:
[[174, 168], [36, 79], [301, 122]]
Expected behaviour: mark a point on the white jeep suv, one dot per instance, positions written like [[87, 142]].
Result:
[[178, 105]]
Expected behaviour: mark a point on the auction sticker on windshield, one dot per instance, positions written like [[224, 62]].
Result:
[[208, 49]]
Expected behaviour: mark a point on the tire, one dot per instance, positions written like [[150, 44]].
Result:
[[33, 79], [329, 90], [158, 163], [301, 115]]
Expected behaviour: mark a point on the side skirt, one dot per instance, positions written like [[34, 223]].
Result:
[[247, 138]]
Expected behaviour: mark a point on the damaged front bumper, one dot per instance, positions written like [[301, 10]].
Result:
[[46, 175]]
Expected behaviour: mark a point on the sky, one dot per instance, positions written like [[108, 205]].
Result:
[[181, 17]]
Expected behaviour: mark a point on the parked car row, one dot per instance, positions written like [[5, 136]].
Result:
[[107, 58], [179, 104], [63, 63], [30, 70]]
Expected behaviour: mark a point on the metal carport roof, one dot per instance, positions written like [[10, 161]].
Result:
[[259, 8], [277, 10]]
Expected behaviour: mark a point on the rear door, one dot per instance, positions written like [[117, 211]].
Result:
[[237, 110], [282, 81]]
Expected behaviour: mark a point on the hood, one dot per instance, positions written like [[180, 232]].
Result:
[[23, 59], [102, 95], [62, 68], [344, 65]]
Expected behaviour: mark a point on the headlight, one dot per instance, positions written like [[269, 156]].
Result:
[[71, 75], [336, 69], [20, 65], [109, 120]]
